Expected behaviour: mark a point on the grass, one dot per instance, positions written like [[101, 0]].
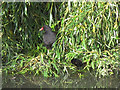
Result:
[[85, 30]]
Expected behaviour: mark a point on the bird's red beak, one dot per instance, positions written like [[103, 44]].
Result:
[[41, 29]]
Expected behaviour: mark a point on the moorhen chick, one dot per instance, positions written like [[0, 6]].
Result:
[[78, 62], [49, 37]]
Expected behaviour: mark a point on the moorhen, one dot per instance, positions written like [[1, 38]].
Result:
[[78, 62], [49, 37]]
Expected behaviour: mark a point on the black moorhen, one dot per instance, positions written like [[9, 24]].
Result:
[[78, 62], [49, 37]]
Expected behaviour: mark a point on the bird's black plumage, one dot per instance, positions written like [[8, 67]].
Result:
[[49, 37], [77, 62]]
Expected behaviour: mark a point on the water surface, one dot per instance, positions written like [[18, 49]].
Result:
[[64, 81]]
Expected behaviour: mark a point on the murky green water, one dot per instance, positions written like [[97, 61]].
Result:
[[64, 81], [0, 79], [0, 60]]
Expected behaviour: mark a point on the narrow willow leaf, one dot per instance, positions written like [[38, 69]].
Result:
[[25, 10], [93, 66], [55, 66], [45, 73], [93, 28]]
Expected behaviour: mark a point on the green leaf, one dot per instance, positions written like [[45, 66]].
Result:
[[45, 73], [55, 66], [93, 66]]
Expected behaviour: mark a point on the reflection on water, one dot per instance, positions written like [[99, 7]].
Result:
[[64, 81], [0, 60], [0, 78]]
